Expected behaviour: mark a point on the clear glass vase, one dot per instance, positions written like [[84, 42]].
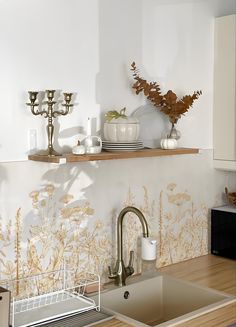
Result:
[[174, 133]]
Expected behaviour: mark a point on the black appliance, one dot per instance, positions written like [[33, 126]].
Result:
[[223, 231]]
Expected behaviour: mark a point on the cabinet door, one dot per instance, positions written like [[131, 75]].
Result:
[[224, 114]]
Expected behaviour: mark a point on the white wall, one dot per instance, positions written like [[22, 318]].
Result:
[[81, 46], [46, 45], [87, 46], [177, 48]]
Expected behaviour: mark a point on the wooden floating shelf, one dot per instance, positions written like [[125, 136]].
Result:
[[113, 155]]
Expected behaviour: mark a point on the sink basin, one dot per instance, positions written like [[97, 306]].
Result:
[[161, 301]]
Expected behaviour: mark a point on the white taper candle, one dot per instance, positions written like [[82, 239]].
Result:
[[89, 127]]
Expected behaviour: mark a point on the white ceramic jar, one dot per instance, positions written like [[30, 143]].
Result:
[[93, 144], [122, 129]]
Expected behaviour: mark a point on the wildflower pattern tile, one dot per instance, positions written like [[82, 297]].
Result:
[[61, 232]]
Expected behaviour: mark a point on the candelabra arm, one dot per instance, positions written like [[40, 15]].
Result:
[[67, 106], [61, 112], [37, 112], [44, 113], [32, 106]]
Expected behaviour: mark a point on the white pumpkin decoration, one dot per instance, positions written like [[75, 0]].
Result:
[[169, 144], [120, 128]]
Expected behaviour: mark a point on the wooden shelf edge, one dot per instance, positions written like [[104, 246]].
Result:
[[113, 155], [57, 159]]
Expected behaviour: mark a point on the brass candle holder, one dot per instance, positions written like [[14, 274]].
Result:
[[49, 113]]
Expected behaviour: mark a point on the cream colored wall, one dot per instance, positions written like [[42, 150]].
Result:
[[51, 213]]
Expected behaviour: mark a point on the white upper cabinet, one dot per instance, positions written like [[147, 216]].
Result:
[[224, 114]]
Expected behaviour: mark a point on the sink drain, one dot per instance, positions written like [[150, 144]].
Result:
[[126, 295]]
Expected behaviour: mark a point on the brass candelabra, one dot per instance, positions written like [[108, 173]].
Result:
[[49, 113]]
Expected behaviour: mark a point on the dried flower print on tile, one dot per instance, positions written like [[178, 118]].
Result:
[[59, 232]]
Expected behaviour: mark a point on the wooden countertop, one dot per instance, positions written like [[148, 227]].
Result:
[[209, 271]]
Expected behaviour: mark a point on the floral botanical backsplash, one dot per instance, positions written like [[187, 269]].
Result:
[[66, 215], [58, 233], [62, 231]]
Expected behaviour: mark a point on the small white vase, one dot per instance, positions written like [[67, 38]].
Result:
[[93, 144]]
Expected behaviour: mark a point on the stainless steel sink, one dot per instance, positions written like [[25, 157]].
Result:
[[161, 301]]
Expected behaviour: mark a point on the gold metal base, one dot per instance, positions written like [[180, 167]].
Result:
[[49, 153]]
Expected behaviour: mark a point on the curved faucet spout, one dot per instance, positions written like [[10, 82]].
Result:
[[120, 227], [121, 272]]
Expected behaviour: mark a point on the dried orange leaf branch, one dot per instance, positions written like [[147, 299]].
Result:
[[168, 103]]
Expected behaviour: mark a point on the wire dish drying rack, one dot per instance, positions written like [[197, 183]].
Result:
[[48, 297]]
